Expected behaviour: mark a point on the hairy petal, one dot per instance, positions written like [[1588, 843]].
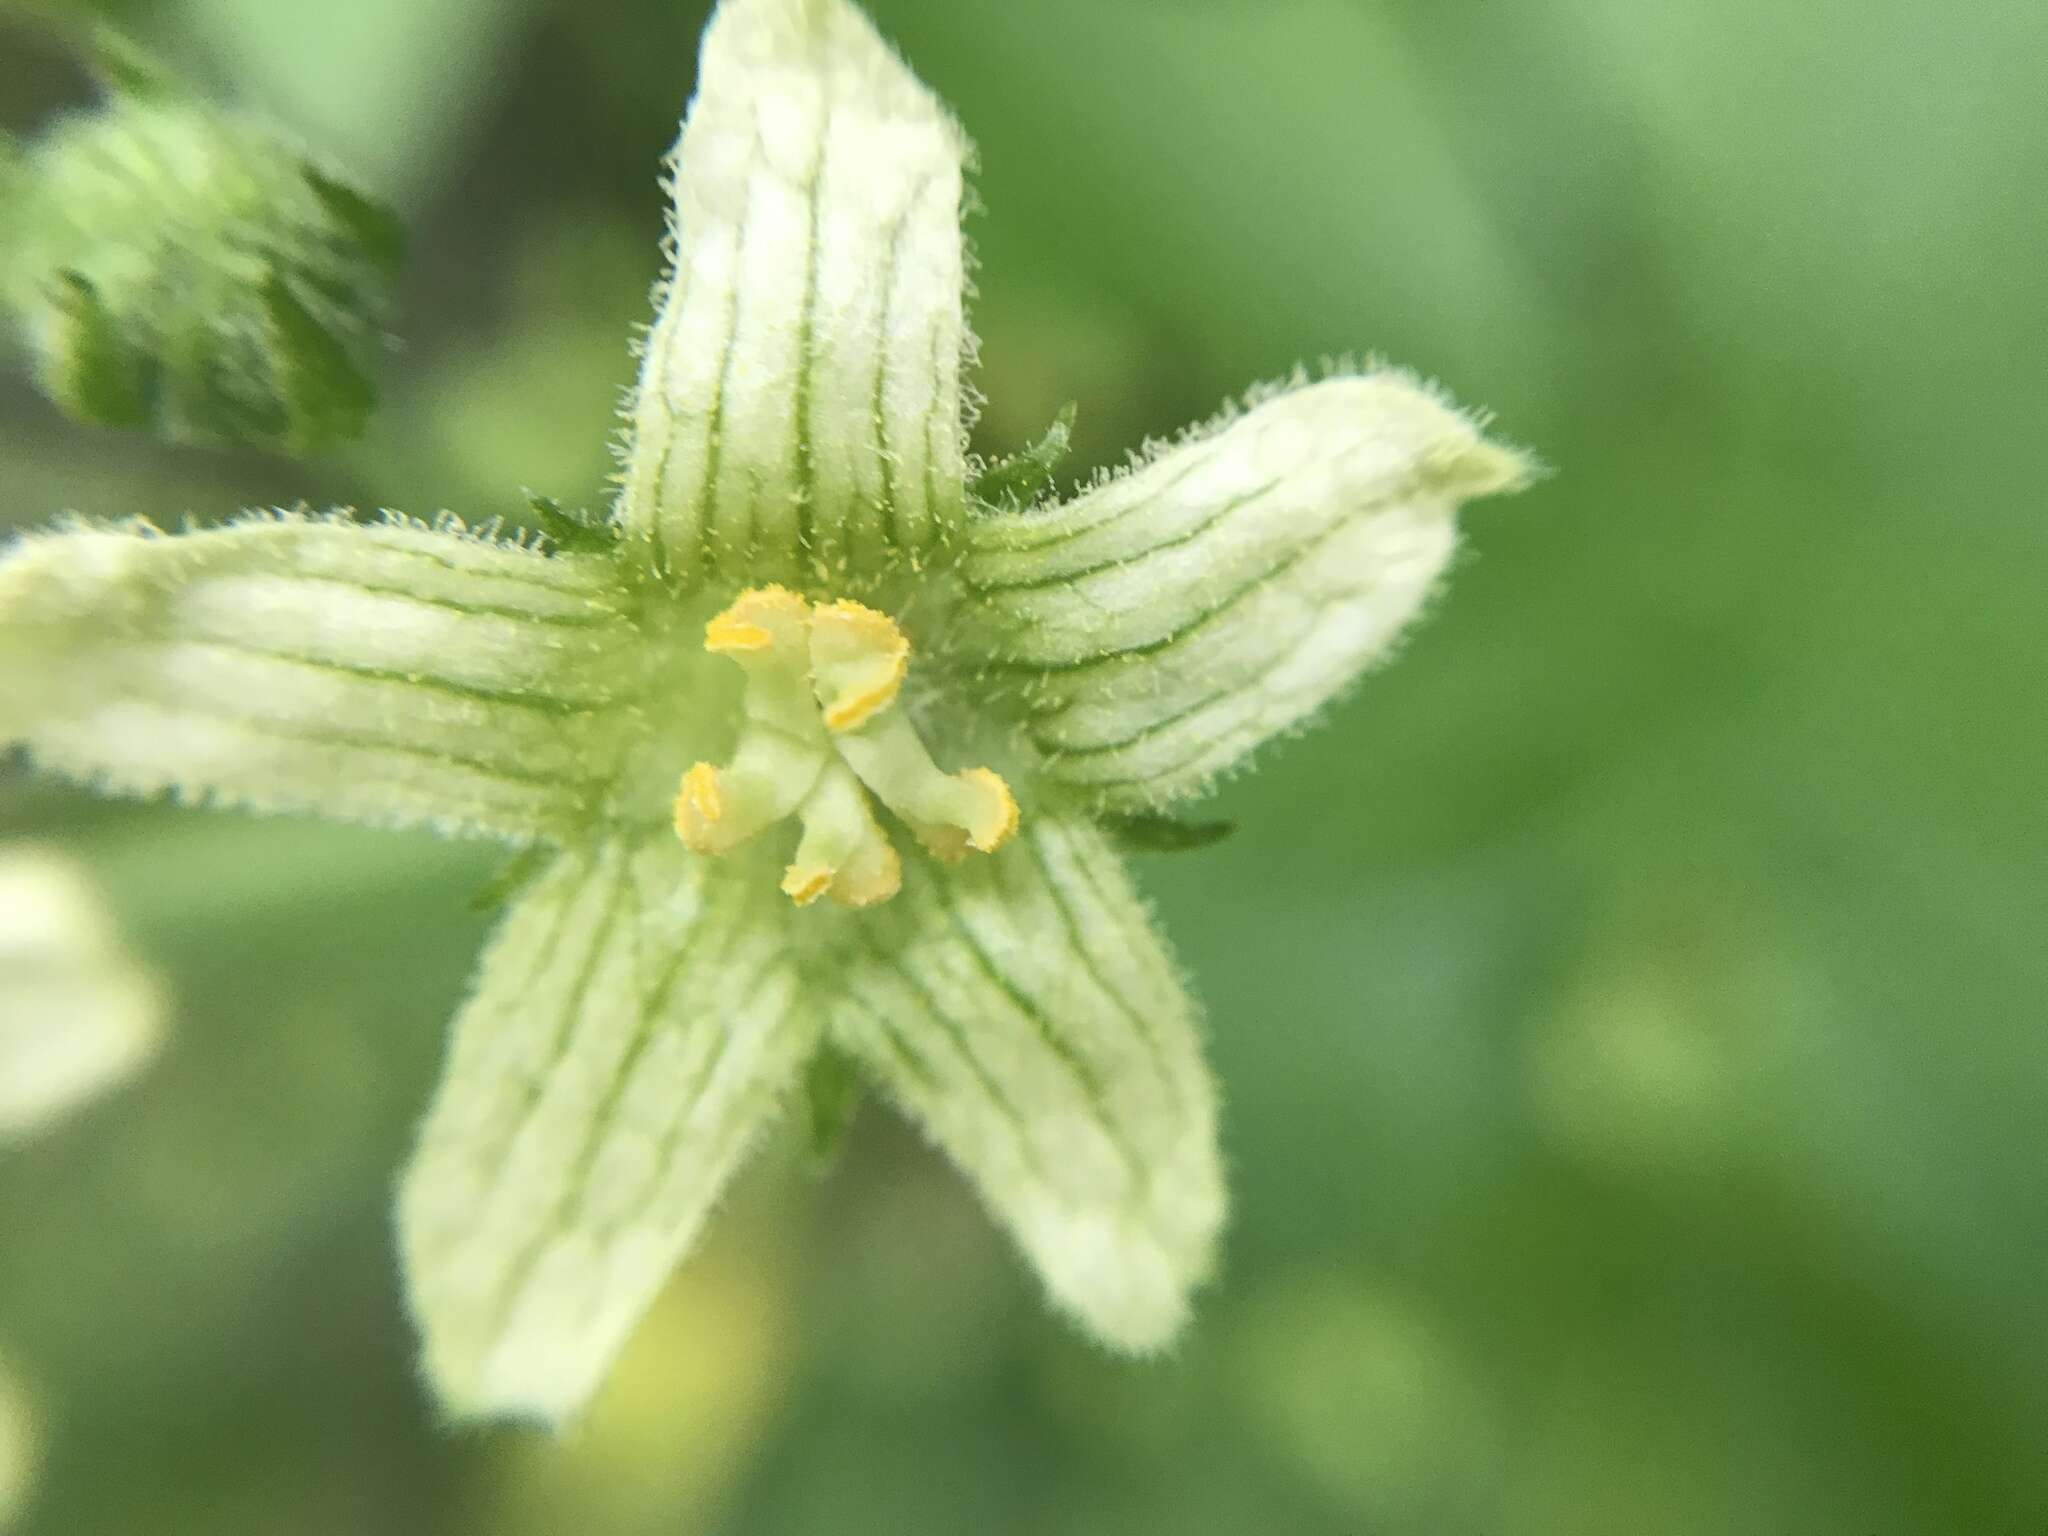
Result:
[[799, 405], [389, 674], [1022, 1011], [634, 1025], [1164, 624]]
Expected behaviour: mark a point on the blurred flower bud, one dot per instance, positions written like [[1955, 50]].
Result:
[[193, 272]]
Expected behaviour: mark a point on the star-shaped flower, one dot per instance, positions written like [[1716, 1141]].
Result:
[[815, 736]]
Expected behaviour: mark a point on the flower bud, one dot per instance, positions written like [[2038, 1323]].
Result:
[[192, 272]]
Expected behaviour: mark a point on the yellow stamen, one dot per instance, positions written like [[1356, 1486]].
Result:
[[725, 635], [985, 817], [754, 621], [859, 657], [874, 875], [818, 739], [805, 884], [699, 807], [990, 832]]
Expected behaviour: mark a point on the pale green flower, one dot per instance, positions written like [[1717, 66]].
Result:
[[809, 647]]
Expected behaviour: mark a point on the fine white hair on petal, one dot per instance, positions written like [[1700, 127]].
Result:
[[800, 406], [1024, 1013], [388, 672], [1170, 619], [633, 1028]]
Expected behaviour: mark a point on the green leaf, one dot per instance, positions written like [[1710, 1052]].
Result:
[[1138, 832], [1021, 1009], [1014, 483], [633, 1028], [799, 406], [1167, 622], [391, 674]]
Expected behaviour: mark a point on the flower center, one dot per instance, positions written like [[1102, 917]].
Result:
[[821, 732]]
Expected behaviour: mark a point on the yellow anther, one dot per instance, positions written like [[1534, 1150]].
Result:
[[819, 740], [858, 658], [756, 621], [699, 808], [990, 832], [724, 635], [804, 884], [983, 816], [874, 875]]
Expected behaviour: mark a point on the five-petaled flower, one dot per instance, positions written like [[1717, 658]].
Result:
[[803, 659]]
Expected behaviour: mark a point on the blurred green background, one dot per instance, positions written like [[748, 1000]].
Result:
[[1629, 1007]]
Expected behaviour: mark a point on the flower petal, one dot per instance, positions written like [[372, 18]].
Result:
[[1022, 1010], [389, 674], [1167, 622], [799, 406], [632, 1029]]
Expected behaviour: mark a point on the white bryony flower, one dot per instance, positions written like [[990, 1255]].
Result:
[[815, 736], [78, 1014]]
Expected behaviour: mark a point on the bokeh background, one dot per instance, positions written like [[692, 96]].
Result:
[[1629, 1006]]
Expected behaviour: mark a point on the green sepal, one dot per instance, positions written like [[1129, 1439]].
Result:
[[1141, 833], [833, 1091], [1020, 479], [572, 529], [88, 366], [328, 397], [375, 229]]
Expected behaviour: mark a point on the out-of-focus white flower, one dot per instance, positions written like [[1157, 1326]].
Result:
[[78, 1013]]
